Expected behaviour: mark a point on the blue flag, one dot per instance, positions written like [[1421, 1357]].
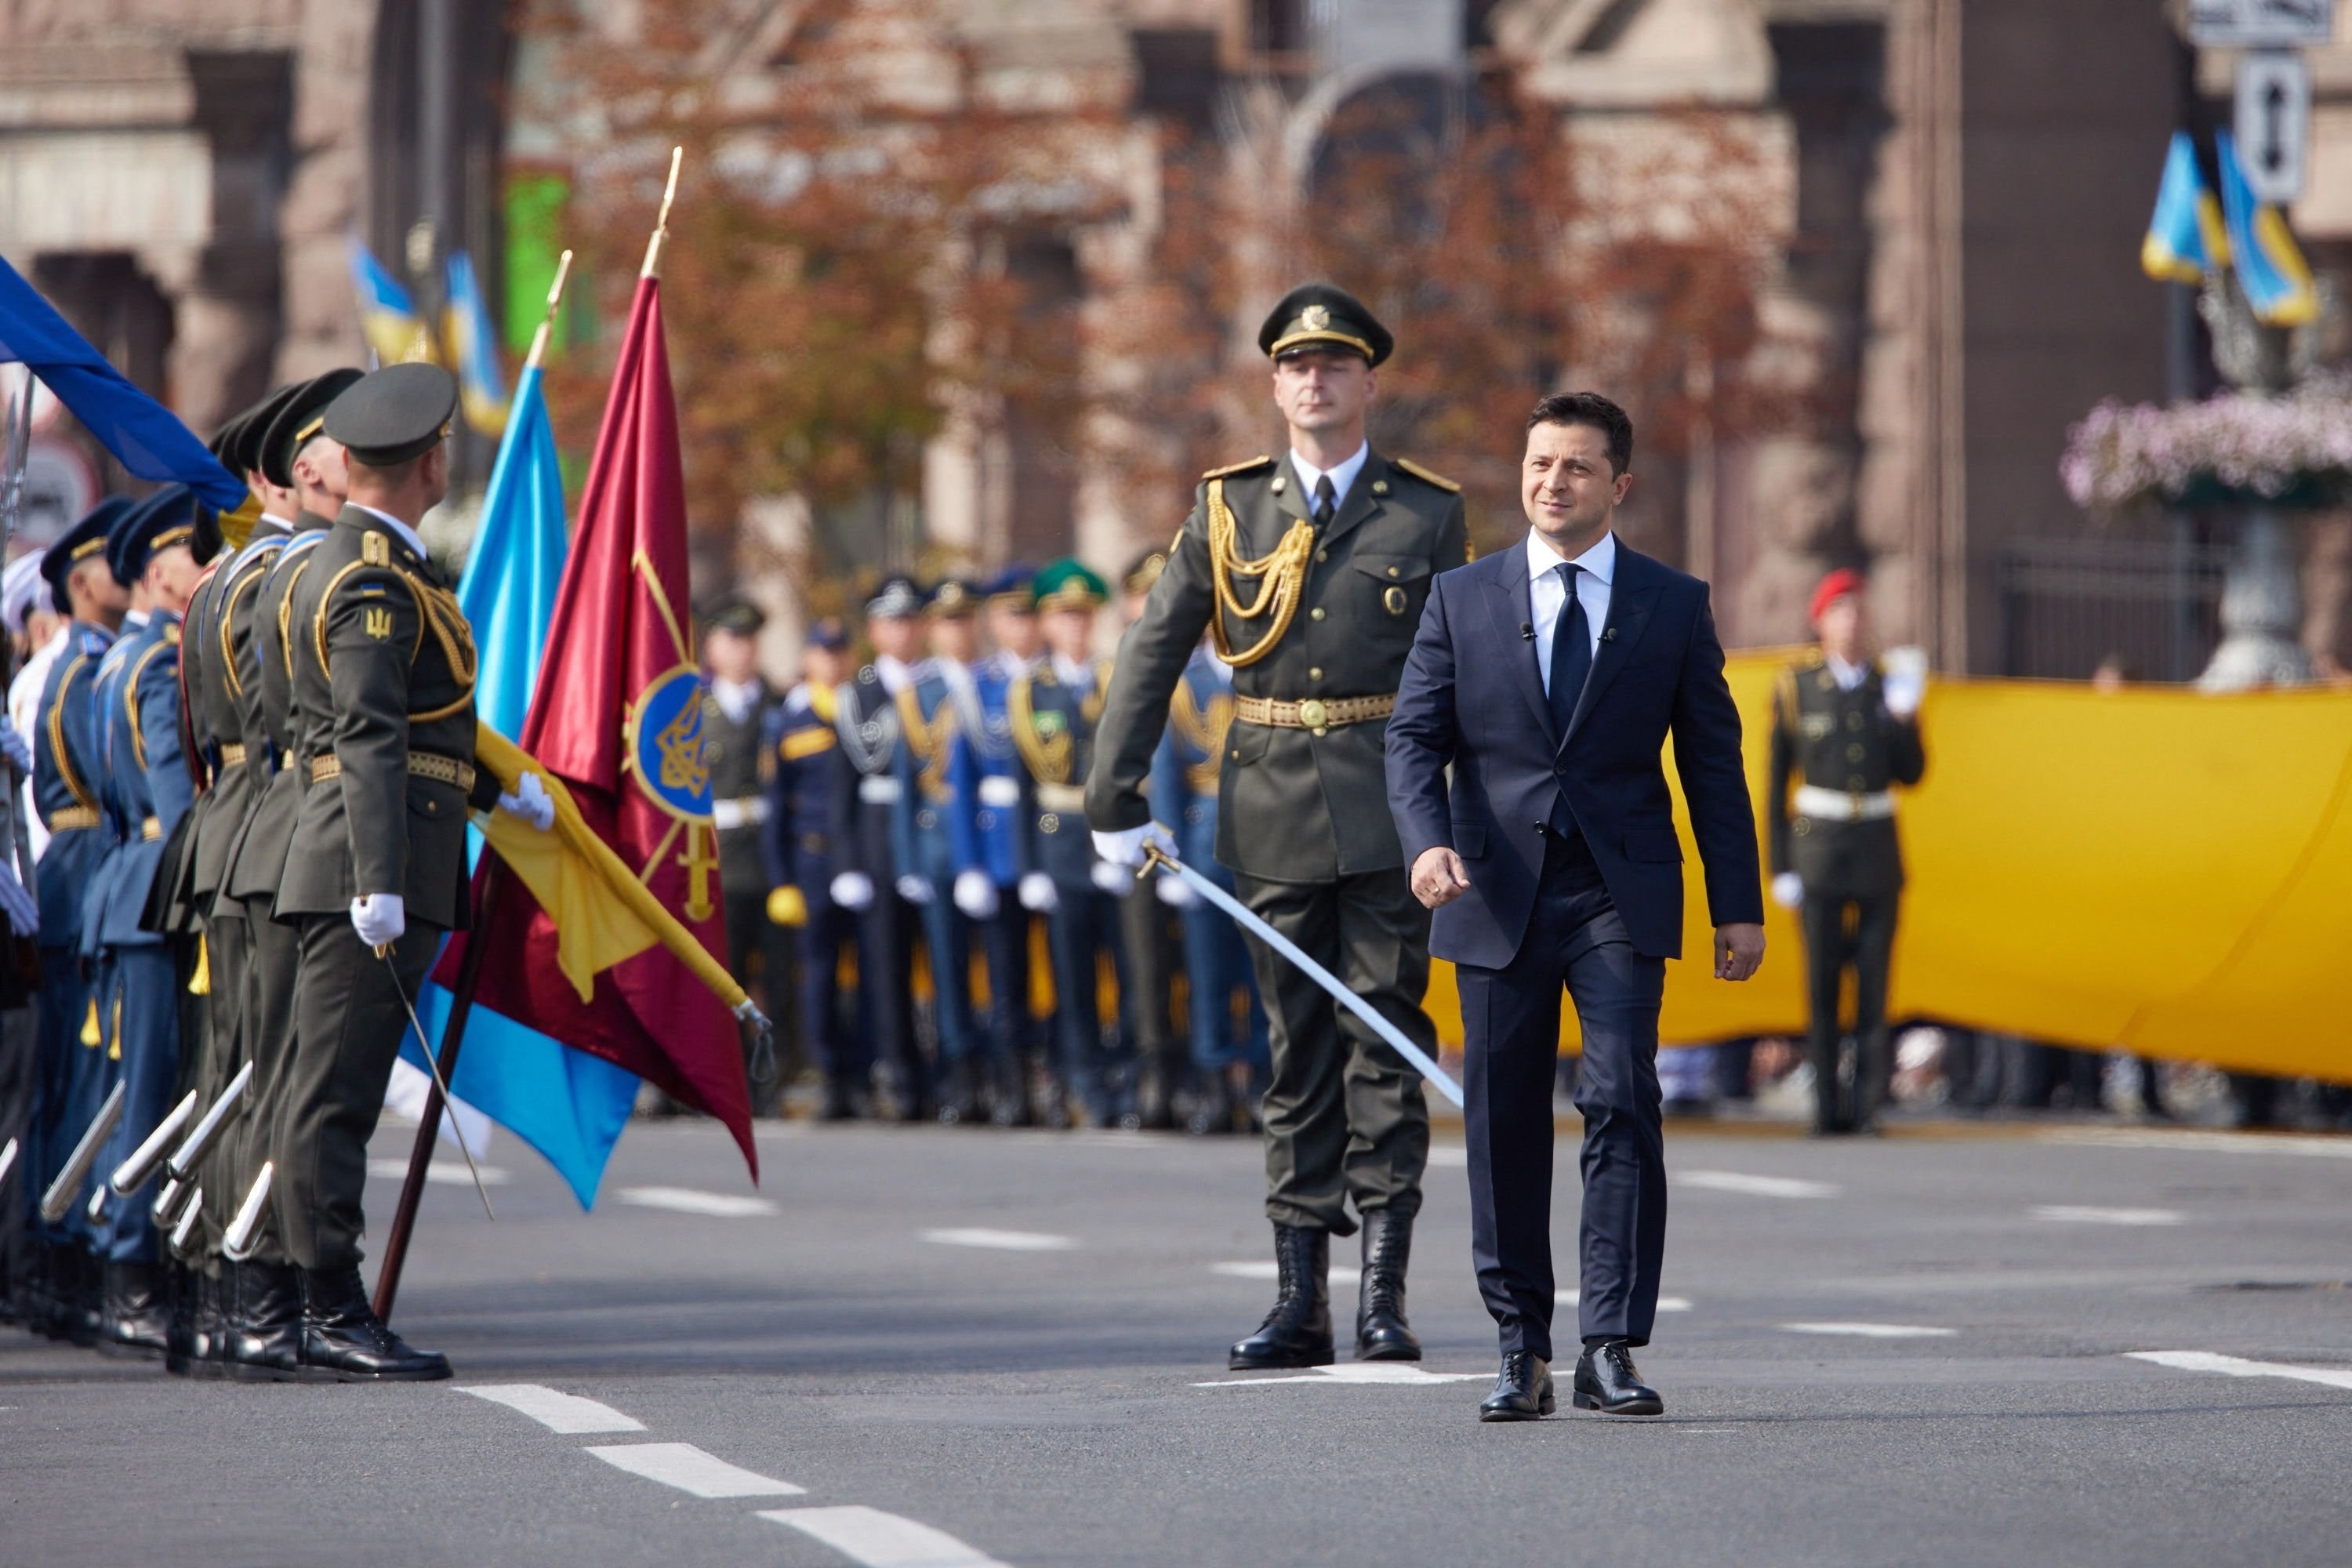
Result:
[[474, 350], [2271, 267], [144, 436], [568, 1105], [2185, 238]]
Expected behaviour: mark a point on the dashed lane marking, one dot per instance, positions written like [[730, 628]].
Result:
[[879, 1540], [1753, 1186], [1389, 1372], [1254, 1269], [2238, 1366], [1665, 1303], [2085, 1214], [1000, 1240], [2202, 1142], [686, 1200], [690, 1469], [1872, 1330], [556, 1412], [440, 1173]]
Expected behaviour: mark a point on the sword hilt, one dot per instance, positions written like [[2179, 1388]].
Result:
[[1154, 857]]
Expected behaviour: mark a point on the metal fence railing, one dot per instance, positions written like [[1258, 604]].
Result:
[[2068, 605]]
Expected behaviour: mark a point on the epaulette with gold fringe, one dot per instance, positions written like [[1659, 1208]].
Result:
[[1418, 472], [1260, 461]]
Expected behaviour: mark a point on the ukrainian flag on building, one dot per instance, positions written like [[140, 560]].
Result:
[[2270, 269], [388, 317]]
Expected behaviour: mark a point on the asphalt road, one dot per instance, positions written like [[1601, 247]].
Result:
[[950, 1347]]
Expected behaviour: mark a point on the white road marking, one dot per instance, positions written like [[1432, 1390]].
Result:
[[1872, 1330], [1358, 1371], [1000, 1240], [689, 1469], [556, 1412], [686, 1200], [2085, 1214], [1754, 1186], [2202, 1142], [1449, 1157], [442, 1172], [879, 1540], [1665, 1303], [1254, 1270], [2237, 1366]]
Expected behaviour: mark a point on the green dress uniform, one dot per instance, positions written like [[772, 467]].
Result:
[[731, 748], [1316, 620], [1843, 752]]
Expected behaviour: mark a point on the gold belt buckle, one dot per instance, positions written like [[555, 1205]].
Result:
[[1313, 714]]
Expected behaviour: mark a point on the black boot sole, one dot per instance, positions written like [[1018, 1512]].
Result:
[[1550, 1405], [262, 1371], [336, 1374], [117, 1350], [1387, 1352]]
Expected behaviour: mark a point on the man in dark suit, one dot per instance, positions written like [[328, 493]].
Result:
[[1549, 677]]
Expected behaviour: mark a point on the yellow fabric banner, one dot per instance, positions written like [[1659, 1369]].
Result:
[[2152, 868]]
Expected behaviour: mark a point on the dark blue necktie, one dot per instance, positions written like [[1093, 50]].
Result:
[[1572, 654]]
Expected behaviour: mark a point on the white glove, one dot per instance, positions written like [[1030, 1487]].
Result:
[[1125, 847], [380, 918], [1788, 890], [1037, 893], [853, 890], [1905, 681], [1116, 880], [916, 890], [975, 894], [18, 750], [529, 802], [1175, 892], [24, 914]]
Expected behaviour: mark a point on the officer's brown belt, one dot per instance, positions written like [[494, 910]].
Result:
[[424, 765], [1317, 713], [71, 817]]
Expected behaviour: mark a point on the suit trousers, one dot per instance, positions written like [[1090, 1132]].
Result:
[[1510, 1017], [348, 1020], [274, 954], [1842, 932], [1345, 1117]]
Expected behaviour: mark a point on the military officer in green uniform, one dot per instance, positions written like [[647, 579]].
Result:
[[1308, 571], [735, 707], [383, 665], [1845, 732]]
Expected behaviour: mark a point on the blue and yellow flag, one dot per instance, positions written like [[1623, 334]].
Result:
[[388, 317], [2271, 267], [473, 347], [2186, 238]]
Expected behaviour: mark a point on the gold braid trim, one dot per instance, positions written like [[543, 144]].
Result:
[[1048, 756], [1282, 579], [238, 589], [927, 739], [130, 700], [436, 610], [57, 727], [285, 613], [1203, 732]]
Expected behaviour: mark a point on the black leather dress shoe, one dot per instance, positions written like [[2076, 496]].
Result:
[[1522, 1390], [1298, 1333], [1607, 1381], [265, 1344], [344, 1341], [1382, 1333]]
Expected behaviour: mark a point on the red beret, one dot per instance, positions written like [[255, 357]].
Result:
[[1836, 585]]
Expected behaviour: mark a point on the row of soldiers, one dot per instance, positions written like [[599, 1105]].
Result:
[[929, 802], [253, 759]]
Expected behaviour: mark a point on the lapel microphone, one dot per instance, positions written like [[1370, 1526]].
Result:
[[1526, 631]]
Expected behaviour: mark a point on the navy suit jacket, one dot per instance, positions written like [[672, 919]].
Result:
[[1472, 697]]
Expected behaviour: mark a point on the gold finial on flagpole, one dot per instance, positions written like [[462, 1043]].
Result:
[[661, 224], [547, 322]]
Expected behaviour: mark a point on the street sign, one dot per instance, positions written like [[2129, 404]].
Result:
[[2260, 24], [2274, 123]]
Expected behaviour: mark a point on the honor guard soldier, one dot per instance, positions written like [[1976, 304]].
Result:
[[942, 707], [734, 717], [147, 789], [1150, 934], [1845, 732], [1055, 708], [1309, 573], [69, 767], [375, 875], [1226, 1021], [872, 834], [802, 786], [988, 777]]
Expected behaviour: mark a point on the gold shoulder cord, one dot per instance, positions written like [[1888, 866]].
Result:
[[57, 727], [437, 611], [130, 700], [238, 589], [1784, 700], [928, 739], [1048, 756], [1282, 576], [285, 613]]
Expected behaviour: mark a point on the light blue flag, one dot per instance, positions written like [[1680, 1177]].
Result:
[[568, 1105]]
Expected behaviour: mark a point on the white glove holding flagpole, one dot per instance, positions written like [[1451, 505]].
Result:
[[529, 802]]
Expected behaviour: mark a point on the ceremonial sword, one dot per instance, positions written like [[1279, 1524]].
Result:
[[424, 1049], [1438, 1080]]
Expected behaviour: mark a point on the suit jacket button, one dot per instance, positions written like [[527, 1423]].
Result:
[[1316, 614], [1323, 555], [1314, 672]]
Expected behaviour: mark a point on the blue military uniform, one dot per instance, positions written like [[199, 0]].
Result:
[[798, 846], [1227, 1018], [929, 708]]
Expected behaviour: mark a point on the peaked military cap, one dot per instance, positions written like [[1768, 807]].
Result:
[[896, 597], [1015, 586], [1316, 315], [953, 599], [739, 616], [302, 415], [238, 444], [164, 519], [389, 415], [85, 540], [828, 633], [1069, 584]]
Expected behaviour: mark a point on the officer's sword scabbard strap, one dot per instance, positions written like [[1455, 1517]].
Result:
[[1282, 579]]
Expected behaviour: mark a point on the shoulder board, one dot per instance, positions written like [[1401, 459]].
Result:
[[1260, 461], [1425, 476], [1812, 660]]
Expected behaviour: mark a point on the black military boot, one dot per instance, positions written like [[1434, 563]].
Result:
[[180, 1338], [208, 1336], [266, 1344], [42, 1315], [85, 1306], [137, 1320], [1382, 1333], [1298, 1333], [344, 1341], [960, 1105], [1009, 1104]]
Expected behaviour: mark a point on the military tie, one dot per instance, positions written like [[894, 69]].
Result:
[[1326, 502], [1571, 653]]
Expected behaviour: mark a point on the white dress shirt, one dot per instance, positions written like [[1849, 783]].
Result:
[[408, 535], [896, 673], [1341, 476], [736, 698], [1547, 593], [1847, 675], [1072, 674]]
